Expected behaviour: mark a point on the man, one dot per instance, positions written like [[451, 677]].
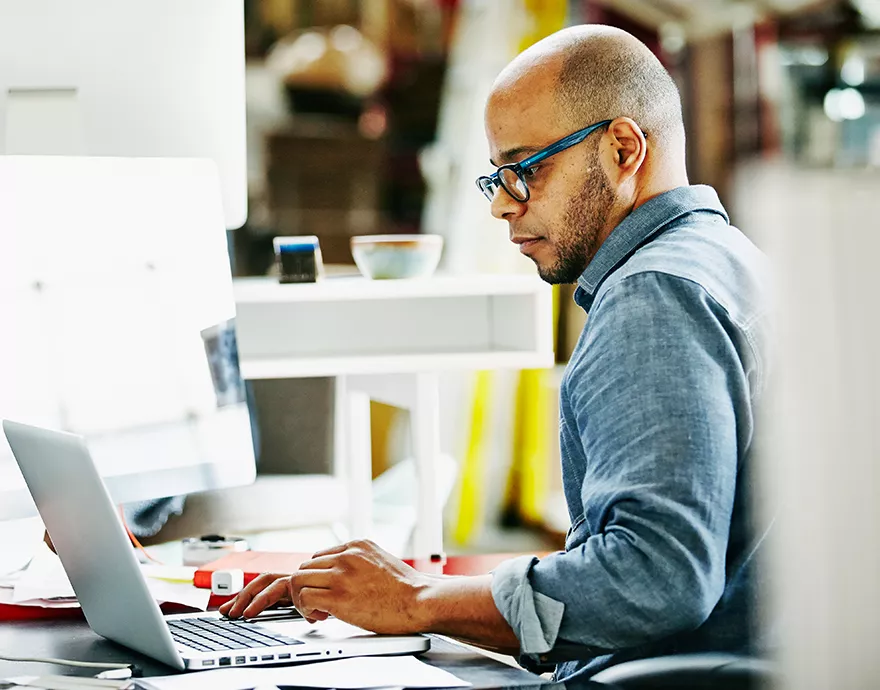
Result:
[[657, 405]]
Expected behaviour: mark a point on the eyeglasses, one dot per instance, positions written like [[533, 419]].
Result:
[[512, 177]]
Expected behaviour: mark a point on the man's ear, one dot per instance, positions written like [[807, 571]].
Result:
[[628, 148]]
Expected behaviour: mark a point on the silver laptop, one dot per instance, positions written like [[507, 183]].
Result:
[[100, 562]]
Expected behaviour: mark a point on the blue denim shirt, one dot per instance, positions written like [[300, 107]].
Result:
[[657, 439]]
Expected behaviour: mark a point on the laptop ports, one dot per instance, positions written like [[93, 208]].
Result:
[[284, 656], [225, 661], [241, 660], [267, 657], [207, 662]]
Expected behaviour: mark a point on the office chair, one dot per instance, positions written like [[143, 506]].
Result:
[[691, 672]]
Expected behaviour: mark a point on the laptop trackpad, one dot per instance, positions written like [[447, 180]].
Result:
[[331, 629]]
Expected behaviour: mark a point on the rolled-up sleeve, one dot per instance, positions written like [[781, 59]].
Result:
[[534, 617], [655, 395]]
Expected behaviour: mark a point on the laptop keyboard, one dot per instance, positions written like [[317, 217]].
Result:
[[218, 634]]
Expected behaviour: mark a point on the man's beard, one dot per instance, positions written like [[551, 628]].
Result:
[[578, 239]]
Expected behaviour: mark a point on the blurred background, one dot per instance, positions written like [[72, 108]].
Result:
[[365, 116]]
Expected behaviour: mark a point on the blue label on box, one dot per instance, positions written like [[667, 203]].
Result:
[[298, 247]]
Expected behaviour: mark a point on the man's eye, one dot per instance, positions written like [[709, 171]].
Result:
[[531, 172]]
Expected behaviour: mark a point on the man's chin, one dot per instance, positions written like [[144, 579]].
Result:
[[556, 274], [550, 276]]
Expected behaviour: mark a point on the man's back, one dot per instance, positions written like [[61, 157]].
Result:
[[657, 434]]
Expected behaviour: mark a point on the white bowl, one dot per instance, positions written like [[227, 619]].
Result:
[[385, 257]]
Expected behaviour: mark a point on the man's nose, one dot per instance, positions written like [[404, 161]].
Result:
[[505, 207]]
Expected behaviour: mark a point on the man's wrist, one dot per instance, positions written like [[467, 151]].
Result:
[[430, 594], [463, 607]]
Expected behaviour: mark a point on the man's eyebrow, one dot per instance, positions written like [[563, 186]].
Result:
[[511, 155]]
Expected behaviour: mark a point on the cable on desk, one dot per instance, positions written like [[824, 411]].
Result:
[[134, 670]]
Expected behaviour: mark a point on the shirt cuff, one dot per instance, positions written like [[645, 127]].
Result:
[[534, 617]]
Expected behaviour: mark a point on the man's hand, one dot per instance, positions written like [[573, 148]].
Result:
[[356, 582], [361, 584]]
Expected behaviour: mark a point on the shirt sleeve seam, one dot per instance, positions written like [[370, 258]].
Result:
[[741, 328]]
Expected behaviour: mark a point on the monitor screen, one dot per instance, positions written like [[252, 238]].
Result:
[[118, 322], [161, 78]]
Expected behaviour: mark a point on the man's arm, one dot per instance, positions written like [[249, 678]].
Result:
[[463, 607], [363, 585]]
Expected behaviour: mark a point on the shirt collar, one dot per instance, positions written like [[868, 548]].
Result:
[[638, 227]]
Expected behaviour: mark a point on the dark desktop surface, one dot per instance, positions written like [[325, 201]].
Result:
[[73, 639]]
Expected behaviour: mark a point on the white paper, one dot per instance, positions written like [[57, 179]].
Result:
[[68, 683], [19, 538], [6, 598], [45, 580], [349, 674], [171, 573], [179, 593], [8, 580]]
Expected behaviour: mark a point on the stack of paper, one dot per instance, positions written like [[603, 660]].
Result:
[[64, 683], [44, 583], [347, 674]]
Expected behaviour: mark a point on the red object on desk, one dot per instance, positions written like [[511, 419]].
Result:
[[252, 563], [255, 562], [15, 612]]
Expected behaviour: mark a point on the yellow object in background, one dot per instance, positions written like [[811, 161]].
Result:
[[473, 466], [546, 17], [534, 432]]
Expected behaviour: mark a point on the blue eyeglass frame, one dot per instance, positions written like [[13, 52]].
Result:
[[496, 181]]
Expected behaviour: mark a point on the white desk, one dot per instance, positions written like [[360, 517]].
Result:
[[386, 341]]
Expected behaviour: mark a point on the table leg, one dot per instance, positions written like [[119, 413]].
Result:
[[354, 457], [425, 416]]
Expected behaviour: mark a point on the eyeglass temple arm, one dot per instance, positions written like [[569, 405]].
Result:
[[562, 144]]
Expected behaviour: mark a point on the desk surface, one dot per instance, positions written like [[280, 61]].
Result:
[[74, 640]]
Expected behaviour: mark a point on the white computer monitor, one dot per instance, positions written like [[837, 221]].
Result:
[[113, 274], [158, 78], [123, 78]]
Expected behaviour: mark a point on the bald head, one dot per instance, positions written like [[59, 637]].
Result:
[[595, 73], [562, 206]]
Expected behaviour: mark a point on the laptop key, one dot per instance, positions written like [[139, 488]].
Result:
[[201, 645], [221, 633], [215, 642], [255, 634], [191, 644]]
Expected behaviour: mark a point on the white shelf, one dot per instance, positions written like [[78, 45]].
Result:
[[347, 288], [292, 368], [405, 331], [343, 326]]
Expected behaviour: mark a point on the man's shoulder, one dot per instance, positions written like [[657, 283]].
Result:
[[714, 257]]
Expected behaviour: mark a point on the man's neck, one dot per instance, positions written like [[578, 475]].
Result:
[[658, 184]]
